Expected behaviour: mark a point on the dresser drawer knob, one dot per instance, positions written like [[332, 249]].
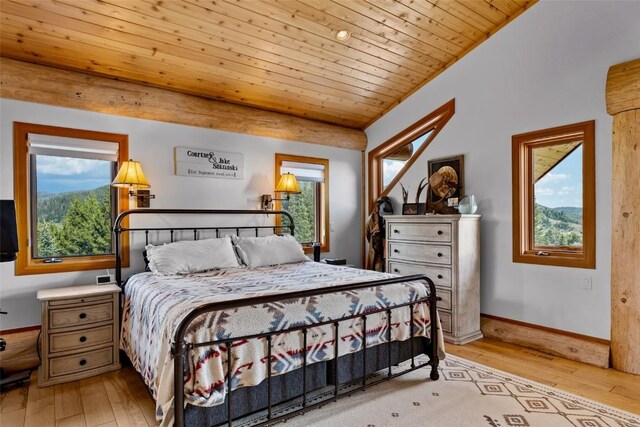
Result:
[[439, 232], [395, 270], [440, 254], [82, 315], [83, 338], [440, 276], [395, 251], [83, 362], [395, 230]]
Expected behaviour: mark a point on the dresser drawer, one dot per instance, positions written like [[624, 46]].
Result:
[[80, 362], [78, 340], [446, 298], [69, 317], [445, 321], [441, 276], [436, 254], [438, 232]]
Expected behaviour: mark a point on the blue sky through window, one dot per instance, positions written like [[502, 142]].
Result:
[[63, 174], [562, 185]]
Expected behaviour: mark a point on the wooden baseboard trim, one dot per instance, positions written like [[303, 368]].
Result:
[[581, 348]]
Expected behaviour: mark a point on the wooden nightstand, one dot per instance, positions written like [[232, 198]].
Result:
[[79, 333]]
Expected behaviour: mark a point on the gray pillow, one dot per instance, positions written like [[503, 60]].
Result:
[[192, 256], [269, 250]]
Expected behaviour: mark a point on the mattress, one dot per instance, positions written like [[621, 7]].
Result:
[[154, 306]]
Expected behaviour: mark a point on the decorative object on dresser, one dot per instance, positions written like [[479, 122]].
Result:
[[446, 182], [416, 208], [447, 249], [79, 333]]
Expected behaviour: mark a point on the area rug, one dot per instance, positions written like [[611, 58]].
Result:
[[467, 394]]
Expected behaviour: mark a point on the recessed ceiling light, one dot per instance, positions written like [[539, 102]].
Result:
[[343, 35]]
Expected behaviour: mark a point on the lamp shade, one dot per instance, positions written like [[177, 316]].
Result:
[[8, 231], [288, 184], [130, 175]]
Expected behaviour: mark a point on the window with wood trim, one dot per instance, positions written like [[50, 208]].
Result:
[[554, 196], [391, 160], [310, 208], [65, 205]]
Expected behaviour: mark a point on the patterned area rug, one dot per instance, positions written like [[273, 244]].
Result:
[[467, 394]]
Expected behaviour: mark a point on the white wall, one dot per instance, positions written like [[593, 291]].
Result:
[[152, 143], [547, 68]]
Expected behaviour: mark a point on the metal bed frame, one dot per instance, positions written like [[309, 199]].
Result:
[[180, 348]]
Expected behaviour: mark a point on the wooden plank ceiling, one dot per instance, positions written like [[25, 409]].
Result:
[[280, 55]]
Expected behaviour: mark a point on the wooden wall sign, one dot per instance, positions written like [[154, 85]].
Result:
[[623, 103], [208, 163]]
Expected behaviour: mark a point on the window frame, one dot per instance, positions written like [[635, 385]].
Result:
[[523, 203], [25, 263], [434, 121], [322, 197]]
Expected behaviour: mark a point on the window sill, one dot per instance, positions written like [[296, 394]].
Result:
[[559, 259], [32, 266]]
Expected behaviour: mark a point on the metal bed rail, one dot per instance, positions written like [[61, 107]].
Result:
[[180, 348]]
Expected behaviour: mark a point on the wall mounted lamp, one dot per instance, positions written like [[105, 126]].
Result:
[[287, 185], [131, 176]]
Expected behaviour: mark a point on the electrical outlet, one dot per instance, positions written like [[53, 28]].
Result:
[[586, 283]]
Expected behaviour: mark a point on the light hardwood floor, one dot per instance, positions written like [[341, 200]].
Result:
[[120, 398]]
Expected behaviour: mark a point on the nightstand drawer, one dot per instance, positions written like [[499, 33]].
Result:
[[445, 321], [441, 276], [86, 300], [80, 362], [420, 232], [78, 340], [63, 318], [436, 254]]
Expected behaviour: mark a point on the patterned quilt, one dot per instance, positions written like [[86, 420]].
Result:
[[155, 305]]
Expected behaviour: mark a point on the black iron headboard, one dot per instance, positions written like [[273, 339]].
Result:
[[118, 228]]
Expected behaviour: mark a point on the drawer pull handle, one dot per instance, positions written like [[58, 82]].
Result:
[[395, 270], [439, 232], [440, 254], [83, 362], [83, 338], [439, 276], [395, 230], [396, 251], [82, 315]]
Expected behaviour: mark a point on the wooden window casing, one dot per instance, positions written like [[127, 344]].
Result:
[[25, 263], [434, 122], [322, 194], [524, 250]]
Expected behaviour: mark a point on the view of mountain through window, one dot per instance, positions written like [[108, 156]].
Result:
[[558, 195], [73, 206]]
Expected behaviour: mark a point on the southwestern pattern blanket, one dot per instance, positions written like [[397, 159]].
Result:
[[155, 305]]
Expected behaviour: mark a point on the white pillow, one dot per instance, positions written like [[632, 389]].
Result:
[[269, 250], [192, 256]]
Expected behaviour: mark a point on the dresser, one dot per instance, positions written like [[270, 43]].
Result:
[[447, 249], [79, 332]]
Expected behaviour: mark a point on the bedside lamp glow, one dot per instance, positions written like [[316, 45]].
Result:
[[131, 176], [288, 184]]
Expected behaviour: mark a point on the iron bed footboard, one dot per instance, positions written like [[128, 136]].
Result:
[[180, 348]]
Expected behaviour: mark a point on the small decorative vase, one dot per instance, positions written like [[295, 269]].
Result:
[[468, 205]]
